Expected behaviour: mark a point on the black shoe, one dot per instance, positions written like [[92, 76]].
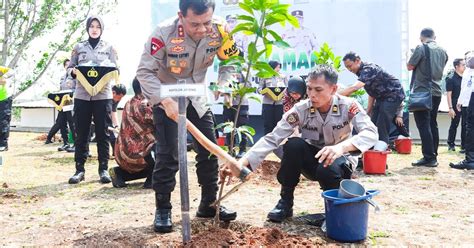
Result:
[[117, 180], [451, 148], [77, 177], [48, 141], [63, 147], [162, 222], [240, 154], [148, 183], [104, 176], [281, 211], [3, 148], [71, 149], [206, 211], [425, 162], [468, 165]]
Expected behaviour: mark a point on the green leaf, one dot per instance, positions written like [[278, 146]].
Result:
[[292, 20], [282, 44], [246, 7], [248, 129], [246, 18], [268, 50], [254, 97], [224, 124]]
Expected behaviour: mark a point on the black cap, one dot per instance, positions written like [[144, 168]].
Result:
[[297, 13], [297, 85]]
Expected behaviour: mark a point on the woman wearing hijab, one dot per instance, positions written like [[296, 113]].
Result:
[[95, 103]]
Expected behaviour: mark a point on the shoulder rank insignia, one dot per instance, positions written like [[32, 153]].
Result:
[[180, 31], [335, 109], [312, 110], [292, 119]]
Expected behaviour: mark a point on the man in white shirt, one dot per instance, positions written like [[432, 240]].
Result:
[[466, 99]]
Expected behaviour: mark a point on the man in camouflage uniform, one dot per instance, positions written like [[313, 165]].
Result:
[[182, 48], [325, 121]]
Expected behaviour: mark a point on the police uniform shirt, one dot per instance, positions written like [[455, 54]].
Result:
[[67, 83], [466, 87], [83, 53], [344, 115], [170, 55]]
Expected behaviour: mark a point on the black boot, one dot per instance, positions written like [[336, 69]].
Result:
[[467, 163], [284, 207], [117, 179], [103, 174], [162, 222], [79, 175], [208, 196]]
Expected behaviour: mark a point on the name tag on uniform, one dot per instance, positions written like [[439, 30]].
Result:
[[175, 90]]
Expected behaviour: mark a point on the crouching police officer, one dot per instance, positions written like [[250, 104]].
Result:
[[183, 48], [321, 154]]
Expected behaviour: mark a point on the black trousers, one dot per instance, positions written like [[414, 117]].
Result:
[[166, 166], [272, 114], [453, 128], [145, 173], [5, 118], [84, 111], [298, 158], [382, 116], [469, 143], [428, 129], [229, 115], [62, 121]]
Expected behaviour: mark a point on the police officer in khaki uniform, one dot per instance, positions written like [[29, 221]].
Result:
[[93, 51], [302, 38], [183, 48], [325, 121]]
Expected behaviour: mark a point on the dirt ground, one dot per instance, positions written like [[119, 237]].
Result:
[[420, 206]]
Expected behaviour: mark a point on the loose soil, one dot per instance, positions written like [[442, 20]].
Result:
[[420, 206]]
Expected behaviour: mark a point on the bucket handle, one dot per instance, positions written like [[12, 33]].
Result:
[[369, 195]]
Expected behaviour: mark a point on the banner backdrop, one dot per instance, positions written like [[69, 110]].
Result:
[[371, 28]]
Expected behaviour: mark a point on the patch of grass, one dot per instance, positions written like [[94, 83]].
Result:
[[46, 211], [436, 215], [270, 190], [303, 213], [377, 234], [401, 210], [425, 178], [62, 161], [370, 181]]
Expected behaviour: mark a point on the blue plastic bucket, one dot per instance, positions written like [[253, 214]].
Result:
[[346, 219]]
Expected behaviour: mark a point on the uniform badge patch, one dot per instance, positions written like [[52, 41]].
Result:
[[178, 49], [173, 62], [353, 110], [214, 35], [176, 70], [177, 41], [292, 119], [156, 45], [183, 63], [214, 43]]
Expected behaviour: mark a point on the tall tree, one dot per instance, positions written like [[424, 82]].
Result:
[[24, 21]]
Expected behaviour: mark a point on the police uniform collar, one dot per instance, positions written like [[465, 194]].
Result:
[[335, 109], [312, 110]]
